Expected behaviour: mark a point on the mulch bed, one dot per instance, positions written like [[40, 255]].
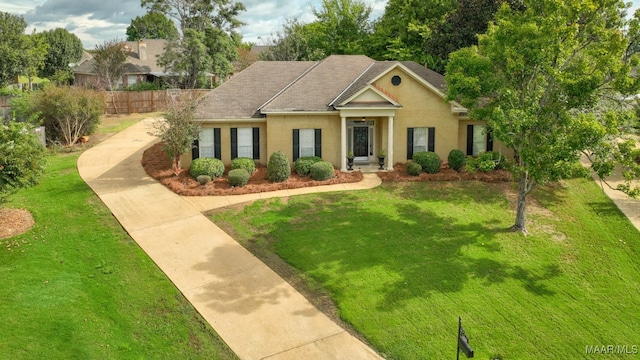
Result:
[[14, 222], [158, 166]]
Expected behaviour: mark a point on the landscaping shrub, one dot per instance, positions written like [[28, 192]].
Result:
[[303, 164], [413, 168], [471, 164], [238, 177], [322, 170], [490, 160], [206, 166], [278, 168], [456, 159], [244, 163], [429, 161], [203, 179]]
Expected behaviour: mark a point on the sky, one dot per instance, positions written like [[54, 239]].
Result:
[[95, 21]]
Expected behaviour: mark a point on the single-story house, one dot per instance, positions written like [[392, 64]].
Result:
[[328, 108]]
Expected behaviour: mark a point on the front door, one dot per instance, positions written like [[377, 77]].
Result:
[[361, 141]]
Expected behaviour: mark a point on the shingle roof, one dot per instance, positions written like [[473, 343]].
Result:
[[134, 65], [242, 95], [273, 86]]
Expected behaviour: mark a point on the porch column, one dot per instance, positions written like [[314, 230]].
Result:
[[343, 145], [390, 144]]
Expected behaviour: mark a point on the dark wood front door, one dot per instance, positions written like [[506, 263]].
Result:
[[361, 141]]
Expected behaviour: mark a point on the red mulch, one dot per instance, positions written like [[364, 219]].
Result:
[[158, 166], [14, 222]]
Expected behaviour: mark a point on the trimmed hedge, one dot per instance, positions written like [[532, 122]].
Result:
[[238, 177], [414, 169], [278, 168], [322, 170], [303, 164], [206, 166], [429, 161], [244, 163], [456, 159]]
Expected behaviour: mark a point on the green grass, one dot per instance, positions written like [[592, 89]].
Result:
[[403, 261], [76, 286]]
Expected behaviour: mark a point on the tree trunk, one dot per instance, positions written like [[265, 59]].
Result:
[[176, 165], [525, 185]]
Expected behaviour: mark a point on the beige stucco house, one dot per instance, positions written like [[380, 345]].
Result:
[[331, 107]]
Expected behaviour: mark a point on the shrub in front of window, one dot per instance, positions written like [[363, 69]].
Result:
[[322, 170], [278, 168], [471, 164], [244, 163], [414, 169], [203, 179], [456, 159], [303, 164], [238, 177], [429, 161], [206, 166], [490, 160]]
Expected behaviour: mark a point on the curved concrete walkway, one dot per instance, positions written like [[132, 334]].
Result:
[[257, 313]]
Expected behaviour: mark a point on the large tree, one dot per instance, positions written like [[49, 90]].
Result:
[[545, 80], [64, 49], [291, 43], [210, 24], [152, 25], [405, 26], [341, 27], [110, 60], [34, 59], [14, 45]]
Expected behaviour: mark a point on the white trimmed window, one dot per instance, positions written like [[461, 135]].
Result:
[[207, 143], [245, 142], [307, 142], [419, 139]]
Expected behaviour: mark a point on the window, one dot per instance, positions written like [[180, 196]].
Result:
[[245, 142], [420, 139], [307, 142], [207, 144], [478, 140]]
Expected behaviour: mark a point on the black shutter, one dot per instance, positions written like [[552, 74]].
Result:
[[234, 143], [256, 143], [431, 145], [195, 150], [318, 144], [217, 148], [409, 143], [296, 144], [489, 142], [469, 140]]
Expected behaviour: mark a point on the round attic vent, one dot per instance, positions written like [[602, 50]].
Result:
[[396, 80]]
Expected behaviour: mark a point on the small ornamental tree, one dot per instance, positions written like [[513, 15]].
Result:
[[22, 158], [177, 130]]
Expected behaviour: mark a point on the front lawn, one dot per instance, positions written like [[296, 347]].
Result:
[[76, 286], [403, 261]]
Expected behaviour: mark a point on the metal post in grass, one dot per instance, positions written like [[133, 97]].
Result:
[[463, 342]]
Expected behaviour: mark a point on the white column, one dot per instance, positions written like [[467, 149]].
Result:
[[343, 145], [390, 144]]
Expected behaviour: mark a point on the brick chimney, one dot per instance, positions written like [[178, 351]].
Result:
[[142, 50]]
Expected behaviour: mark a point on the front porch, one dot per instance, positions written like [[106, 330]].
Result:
[[365, 136]]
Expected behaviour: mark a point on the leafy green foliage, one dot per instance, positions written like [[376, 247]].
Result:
[[303, 164], [14, 47], [209, 39], [414, 169], [64, 48], [211, 167], [429, 161], [145, 86], [178, 131], [456, 159], [238, 177], [152, 25], [322, 170], [543, 79], [68, 112], [244, 163], [22, 158], [278, 168], [110, 58]]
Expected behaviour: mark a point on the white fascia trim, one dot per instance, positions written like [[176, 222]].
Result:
[[232, 120], [293, 112], [374, 89]]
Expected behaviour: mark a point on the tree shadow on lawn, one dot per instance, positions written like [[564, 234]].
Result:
[[419, 251]]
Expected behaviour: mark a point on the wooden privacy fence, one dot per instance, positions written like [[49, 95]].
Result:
[[127, 102]]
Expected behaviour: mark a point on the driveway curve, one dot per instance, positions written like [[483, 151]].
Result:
[[257, 313]]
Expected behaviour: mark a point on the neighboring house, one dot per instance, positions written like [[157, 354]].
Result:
[[140, 65], [330, 107]]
